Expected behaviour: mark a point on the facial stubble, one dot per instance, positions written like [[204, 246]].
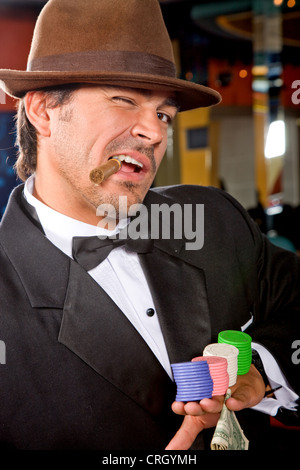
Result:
[[71, 156]]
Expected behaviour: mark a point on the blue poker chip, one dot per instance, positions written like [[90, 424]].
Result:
[[199, 376], [200, 373], [198, 390], [199, 383], [193, 380], [199, 379], [205, 388], [190, 370], [193, 368], [186, 388], [188, 383], [199, 387], [193, 397], [207, 393], [189, 365], [182, 385], [178, 371], [193, 377]]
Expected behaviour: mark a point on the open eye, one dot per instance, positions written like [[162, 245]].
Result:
[[164, 117]]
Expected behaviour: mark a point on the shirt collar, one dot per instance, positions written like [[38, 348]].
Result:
[[59, 228]]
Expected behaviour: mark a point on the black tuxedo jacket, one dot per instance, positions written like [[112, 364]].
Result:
[[77, 374]]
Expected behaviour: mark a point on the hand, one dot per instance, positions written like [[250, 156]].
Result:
[[198, 416], [247, 392]]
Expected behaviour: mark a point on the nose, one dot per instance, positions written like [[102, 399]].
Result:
[[148, 127]]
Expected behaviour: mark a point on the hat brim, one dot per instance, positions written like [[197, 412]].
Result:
[[190, 95]]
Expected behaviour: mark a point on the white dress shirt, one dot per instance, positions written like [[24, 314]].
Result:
[[122, 268], [119, 269]]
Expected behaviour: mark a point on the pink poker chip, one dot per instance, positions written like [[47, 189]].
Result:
[[218, 371], [211, 359]]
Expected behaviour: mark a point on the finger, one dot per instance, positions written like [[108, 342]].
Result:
[[189, 430], [247, 392], [243, 397], [193, 408], [212, 405], [207, 405], [189, 408], [178, 407], [186, 434], [236, 404]]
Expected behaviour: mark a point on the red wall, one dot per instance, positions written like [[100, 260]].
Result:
[[15, 38]]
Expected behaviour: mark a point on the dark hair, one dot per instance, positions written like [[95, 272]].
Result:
[[26, 133]]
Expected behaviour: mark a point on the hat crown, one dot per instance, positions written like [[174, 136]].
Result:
[[71, 27], [104, 42]]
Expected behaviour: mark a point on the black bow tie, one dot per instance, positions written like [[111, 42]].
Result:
[[91, 251]]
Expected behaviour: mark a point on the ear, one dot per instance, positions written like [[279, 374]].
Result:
[[36, 111]]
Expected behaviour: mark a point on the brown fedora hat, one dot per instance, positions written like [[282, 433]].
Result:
[[116, 42]]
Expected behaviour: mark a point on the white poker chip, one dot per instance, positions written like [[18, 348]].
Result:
[[221, 349], [230, 353]]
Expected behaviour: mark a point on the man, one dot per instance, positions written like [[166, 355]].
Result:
[[89, 343]]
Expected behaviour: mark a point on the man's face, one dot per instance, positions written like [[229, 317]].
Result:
[[99, 123]]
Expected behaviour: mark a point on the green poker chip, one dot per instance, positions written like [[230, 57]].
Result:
[[242, 341], [234, 337]]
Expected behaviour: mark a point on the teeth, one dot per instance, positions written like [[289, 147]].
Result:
[[127, 159]]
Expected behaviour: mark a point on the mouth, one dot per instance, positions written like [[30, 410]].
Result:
[[129, 164]]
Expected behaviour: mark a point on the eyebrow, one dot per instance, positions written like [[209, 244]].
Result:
[[169, 101]]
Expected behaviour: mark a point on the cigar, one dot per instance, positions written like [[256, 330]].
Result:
[[100, 174]]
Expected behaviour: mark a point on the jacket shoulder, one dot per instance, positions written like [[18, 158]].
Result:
[[218, 202]]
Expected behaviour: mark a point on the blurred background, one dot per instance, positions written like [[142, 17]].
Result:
[[248, 145]]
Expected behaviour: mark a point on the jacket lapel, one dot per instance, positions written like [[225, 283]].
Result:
[[177, 283], [19, 234], [96, 330], [180, 296]]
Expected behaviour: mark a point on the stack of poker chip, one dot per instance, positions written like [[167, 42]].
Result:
[[193, 380], [230, 353], [242, 341], [218, 371]]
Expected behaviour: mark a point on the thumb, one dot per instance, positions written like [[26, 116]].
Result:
[[238, 402], [186, 434]]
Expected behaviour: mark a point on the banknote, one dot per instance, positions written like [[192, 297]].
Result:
[[228, 434]]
